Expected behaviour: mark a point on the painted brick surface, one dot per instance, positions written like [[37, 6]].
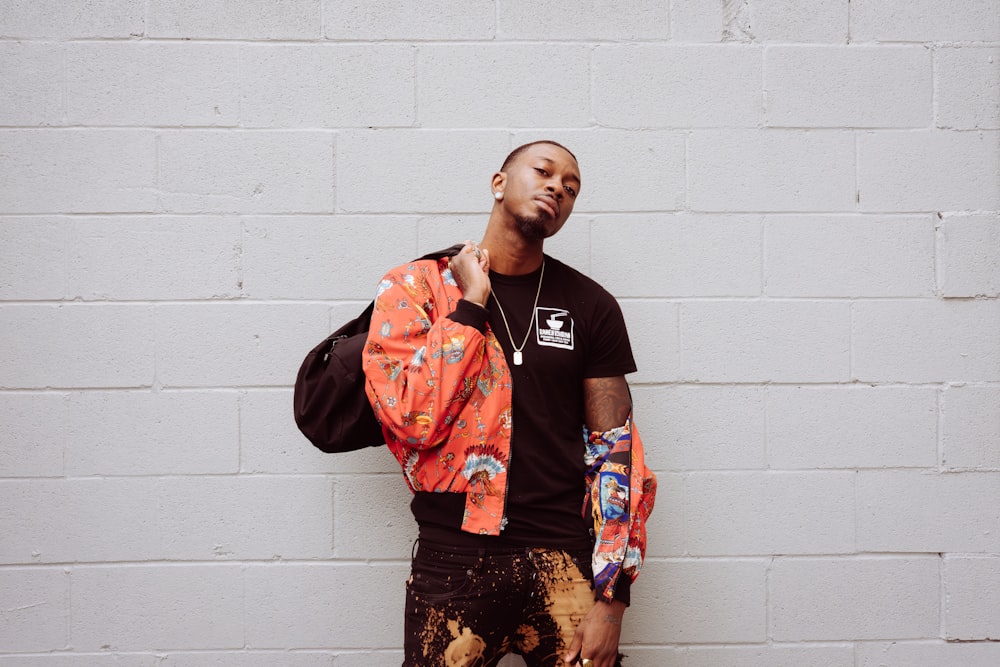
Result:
[[972, 594], [853, 86], [922, 512], [968, 265], [232, 19], [967, 96], [853, 426], [771, 170], [677, 86], [499, 98], [304, 86], [822, 598], [796, 204], [970, 427], [406, 19], [831, 256], [31, 83], [135, 83], [78, 171]]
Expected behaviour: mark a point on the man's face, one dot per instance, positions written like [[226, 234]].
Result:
[[540, 189]]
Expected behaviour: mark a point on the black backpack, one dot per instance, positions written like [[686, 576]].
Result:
[[331, 407]]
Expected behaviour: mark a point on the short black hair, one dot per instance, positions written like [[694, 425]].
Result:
[[520, 149]]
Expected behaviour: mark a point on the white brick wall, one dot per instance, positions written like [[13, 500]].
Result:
[[797, 203]]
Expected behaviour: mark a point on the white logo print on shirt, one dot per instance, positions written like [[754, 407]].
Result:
[[554, 328]]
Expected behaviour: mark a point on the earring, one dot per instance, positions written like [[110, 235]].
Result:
[[498, 196]]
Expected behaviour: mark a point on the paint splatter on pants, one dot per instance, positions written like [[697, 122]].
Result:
[[469, 608]]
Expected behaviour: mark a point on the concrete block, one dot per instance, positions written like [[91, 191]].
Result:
[[240, 518], [928, 171], [371, 517], [305, 257], [926, 341], [971, 598], [654, 336], [73, 19], [248, 659], [302, 605], [967, 94], [32, 76], [512, 87], [157, 607], [389, 171], [774, 655], [703, 427], [855, 426], [654, 181], [969, 246], [797, 21], [34, 258], [327, 85], [142, 83], [78, 171], [81, 660], [600, 20], [851, 86], [759, 341], [677, 86], [162, 257], [441, 231], [833, 599], [927, 654], [924, 21], [151, 433], [666, 527], [699, 602], [35, 609], [34, 436], [384, 658], [921, 512], [970, 427], [76, 346], [761, 513], [678, 255], [247, 172], [211, 345], [271, 443], [236, 19], [658, 656], [837, 256], [771, 170], [409, 20], [697, 21], [78, 521]]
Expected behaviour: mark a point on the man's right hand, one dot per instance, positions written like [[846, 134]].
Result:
[[472, 273]]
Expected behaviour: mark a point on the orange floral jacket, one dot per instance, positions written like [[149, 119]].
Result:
[[442, 392]]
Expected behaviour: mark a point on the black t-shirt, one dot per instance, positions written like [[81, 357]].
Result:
[[578, 332]]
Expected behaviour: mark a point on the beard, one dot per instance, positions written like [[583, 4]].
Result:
[[533, 228]]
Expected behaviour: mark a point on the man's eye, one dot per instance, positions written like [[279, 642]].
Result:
[[541, 171], [570, 190]]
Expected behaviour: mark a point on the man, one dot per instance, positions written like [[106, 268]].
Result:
[[498, 378]]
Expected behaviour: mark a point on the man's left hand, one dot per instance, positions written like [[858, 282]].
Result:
[[597, 635]]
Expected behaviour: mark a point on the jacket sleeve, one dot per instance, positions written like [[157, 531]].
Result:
[[420, 364], [620, 494]]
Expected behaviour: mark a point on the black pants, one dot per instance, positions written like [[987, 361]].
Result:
[[468, 607]]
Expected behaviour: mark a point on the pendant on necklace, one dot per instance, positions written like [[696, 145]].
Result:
[[518, 358]]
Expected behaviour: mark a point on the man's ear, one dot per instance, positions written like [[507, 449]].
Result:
[[499, 181]]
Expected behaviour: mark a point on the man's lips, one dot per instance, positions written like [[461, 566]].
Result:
[[549, 203]]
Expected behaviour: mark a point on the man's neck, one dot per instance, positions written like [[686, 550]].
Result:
[[510, 253]]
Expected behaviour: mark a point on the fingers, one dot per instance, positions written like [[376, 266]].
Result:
[[574, 649]]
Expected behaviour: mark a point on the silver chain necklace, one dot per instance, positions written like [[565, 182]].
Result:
[[518, 356]]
